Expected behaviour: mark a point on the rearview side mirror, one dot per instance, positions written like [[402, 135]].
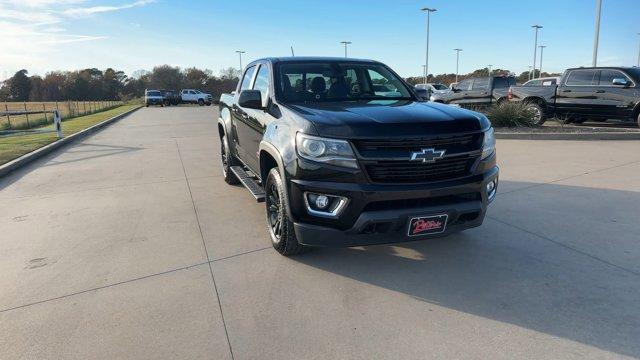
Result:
[[620, 82], [251, 99]]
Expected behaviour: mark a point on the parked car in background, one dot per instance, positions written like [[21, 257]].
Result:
[[153, 97], [597, 93], [170, 97], [433, 88], [193, 96], [544, 81], [477, 92], [342, 162]]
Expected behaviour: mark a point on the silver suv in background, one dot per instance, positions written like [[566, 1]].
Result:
[[193, 96]]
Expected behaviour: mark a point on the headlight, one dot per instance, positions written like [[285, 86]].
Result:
[[329, 151], [433, 98], [488, 144]]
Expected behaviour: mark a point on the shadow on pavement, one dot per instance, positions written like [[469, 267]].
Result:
[[508, 275]]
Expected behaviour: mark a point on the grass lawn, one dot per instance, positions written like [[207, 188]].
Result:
[[15, 146]]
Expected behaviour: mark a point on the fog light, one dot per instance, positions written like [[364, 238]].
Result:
[[491, 189], [322, 202], [324, 205]]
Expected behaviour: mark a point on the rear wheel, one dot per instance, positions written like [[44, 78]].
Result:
[[200, 102], [537, 112], [638, 118], [228, 160], [283, 237]]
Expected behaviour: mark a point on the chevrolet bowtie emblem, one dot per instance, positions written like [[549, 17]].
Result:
[[427, 155]]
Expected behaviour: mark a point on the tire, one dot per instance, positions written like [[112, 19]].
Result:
[[280, 227], [638, 118], [208, 104], [228, 160], [538, 113], [146, 105], [200, 102]]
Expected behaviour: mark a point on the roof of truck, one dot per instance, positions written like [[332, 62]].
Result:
[[312, 58]]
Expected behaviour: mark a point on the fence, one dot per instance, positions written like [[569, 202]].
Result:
[[28, 115]]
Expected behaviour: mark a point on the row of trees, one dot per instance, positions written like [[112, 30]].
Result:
[[110, 84], [94, 84], [451, 78]]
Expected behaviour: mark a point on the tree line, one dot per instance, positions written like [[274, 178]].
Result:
[[94, 84], [451, 78]]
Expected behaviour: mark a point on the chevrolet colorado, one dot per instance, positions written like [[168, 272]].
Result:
[[585, 93], [340, 164]]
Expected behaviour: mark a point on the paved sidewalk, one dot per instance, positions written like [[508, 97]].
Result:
[[129, 245]]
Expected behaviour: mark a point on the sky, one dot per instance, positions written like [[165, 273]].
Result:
[[48, 35]]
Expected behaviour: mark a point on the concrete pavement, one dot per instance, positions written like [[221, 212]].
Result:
[[130, 245]]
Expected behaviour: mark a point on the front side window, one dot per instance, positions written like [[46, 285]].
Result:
[[500, 83], [464, 85], [439, 87], [246, 80], [262, 81], [582, 78], [338, 81], [480, 84], [607, 76]]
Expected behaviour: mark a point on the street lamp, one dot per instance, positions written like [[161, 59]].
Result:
[[596, 36], [535, 50], [426, 63], [489, 68], [345, 43], [240, 52], [541, 52], [457, 61], [529, 72], [638, 54]]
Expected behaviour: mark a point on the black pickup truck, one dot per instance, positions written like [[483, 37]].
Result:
[[477, 92], [599, 93], [341, 161]]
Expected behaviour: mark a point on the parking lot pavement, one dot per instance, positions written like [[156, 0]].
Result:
[[130, 245]]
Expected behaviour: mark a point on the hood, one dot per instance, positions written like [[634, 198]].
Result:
[[371, 119]]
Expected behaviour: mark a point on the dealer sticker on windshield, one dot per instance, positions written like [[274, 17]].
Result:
[[428, 225]]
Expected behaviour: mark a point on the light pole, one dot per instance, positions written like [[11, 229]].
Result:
[[529, 72], [240, 52], [489, 68], [426, 63], [638, 54], [535, 49], [541, 52], [457, 61], [345, 43], [596, 36]]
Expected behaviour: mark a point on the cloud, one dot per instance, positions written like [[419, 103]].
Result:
[[85, 11]]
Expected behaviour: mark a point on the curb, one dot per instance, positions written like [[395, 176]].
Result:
[[570, 136], [38, 153]]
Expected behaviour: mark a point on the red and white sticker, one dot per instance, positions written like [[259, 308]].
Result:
[[425, 225]]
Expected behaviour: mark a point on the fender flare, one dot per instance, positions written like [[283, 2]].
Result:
[[273, 151]]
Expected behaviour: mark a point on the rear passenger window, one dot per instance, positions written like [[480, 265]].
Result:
[[246, 80], [582, 77]]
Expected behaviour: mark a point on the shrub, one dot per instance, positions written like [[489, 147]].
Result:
[[510, 114]]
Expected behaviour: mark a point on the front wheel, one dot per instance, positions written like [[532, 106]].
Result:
[[283, 237], [228, 160], [537, 113], [638, 119]]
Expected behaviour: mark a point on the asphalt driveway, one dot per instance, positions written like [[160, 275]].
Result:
[[130, 245]]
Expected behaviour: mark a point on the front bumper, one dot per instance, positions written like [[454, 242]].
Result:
[[379, 214]]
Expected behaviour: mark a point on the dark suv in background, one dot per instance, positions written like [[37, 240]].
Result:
[[477, 92]]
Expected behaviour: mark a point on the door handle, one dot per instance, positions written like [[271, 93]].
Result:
[[566, 90], [599, 91]]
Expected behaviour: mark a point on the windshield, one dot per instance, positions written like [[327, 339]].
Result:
[[153, 93], [439, 87], [338, 81]]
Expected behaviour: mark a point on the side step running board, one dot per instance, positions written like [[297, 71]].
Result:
[[248, 182]]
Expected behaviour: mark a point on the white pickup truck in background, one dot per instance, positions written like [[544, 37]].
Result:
[[196, 97]]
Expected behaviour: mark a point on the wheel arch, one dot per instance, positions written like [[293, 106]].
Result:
[[269, 157]]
